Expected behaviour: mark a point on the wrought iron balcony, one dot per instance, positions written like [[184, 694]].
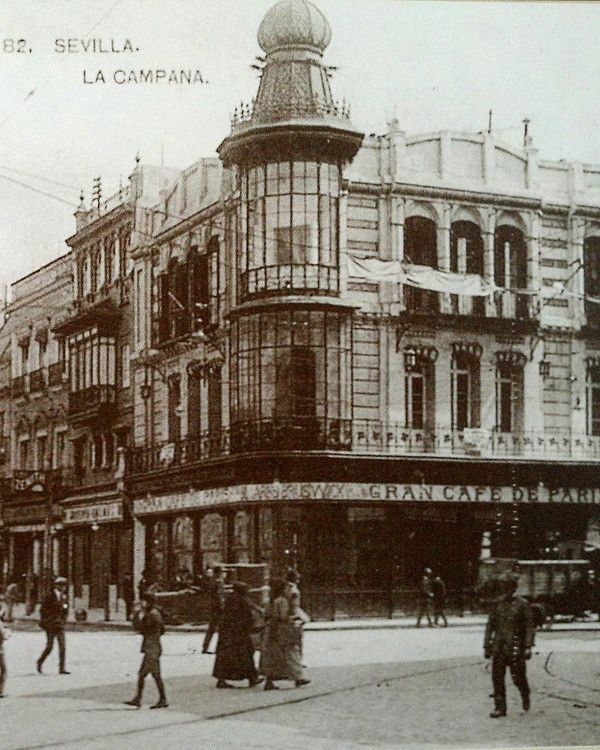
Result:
[[37, 380], [91, 400], [19, 386], [360, 437], [56, 372]]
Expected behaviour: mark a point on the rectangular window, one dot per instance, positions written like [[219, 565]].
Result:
[[174, 407], [40, 458], [214, 401], [24, 359], [593, 401], [60, 450], [415, 400], [140, 306], [24, 454], [509, 398], [125, 366], [292, 244], [193, 403]]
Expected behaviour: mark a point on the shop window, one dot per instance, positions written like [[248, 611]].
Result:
[[466, 256], [420, 248], [465, 384], [591, 259], [510, 272], [212, 539], [183, 548], [593, 399], [509, 392]]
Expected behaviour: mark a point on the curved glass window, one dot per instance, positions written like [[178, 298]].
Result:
[[291, 377], [290, 228]]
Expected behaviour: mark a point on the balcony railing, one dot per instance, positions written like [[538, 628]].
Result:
[[361, 437], [36, 480], [55, 373], [91, 398], [37, 380], [290, 278], [19, 386]]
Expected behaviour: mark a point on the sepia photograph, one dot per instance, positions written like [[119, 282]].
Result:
[[299, 374]]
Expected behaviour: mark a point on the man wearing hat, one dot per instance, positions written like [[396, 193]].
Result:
[[53, 615], [149, 622], [425, 598], [508, 641]]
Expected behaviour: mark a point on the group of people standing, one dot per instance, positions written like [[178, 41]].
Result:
[[432, 599], [243, 628]]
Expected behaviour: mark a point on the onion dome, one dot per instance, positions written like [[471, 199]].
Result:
[[294, 23]]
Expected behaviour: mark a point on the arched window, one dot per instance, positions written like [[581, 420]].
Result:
[[466, 256], [509, 391], [420, 247], [591, 255], [510, 272], [465, 383], [593, 397]]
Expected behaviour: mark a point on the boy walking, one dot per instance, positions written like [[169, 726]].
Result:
[[149, 623]]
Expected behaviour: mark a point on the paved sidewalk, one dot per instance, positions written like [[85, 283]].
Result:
[[96, 621]]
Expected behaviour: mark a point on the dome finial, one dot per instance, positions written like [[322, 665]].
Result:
[[294, 23]]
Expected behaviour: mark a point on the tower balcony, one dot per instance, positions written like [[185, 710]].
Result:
[[307, 278], [249, 113]]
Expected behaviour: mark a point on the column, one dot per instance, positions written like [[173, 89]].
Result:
[[443, 251], [576, 238], [37, 552], [488, 260], [342, 239], [139, 551], [533, 262]]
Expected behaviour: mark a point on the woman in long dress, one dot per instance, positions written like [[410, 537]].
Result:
[[235, 650], [281, 657]]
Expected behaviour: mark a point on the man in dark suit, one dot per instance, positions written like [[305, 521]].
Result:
[[53, 615], [149, 622], [509, 637]]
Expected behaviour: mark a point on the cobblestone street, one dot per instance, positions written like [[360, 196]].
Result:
[[370, 688]]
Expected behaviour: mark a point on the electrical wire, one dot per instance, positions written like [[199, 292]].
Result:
[[37, 190]]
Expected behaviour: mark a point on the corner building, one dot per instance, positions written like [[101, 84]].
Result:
[[354, 426]]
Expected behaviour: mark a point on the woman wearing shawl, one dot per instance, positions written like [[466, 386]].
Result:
[[281, 657], [235, 650]]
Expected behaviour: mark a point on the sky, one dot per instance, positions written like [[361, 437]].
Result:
[[433, 65]]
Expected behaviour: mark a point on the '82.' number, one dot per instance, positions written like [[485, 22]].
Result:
[[18, 46]]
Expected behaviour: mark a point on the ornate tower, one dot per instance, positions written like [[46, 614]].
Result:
[[290, 336]]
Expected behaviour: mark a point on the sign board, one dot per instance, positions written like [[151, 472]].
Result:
[[291, 492], [90, 513]]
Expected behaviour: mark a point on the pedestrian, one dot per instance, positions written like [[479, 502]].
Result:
[[149, 622], [128, 595], [438, 588], [4, 635], [235, 650], [216, 594], [11, 595], [281, 657], [509, 637], [425, 598], [53, 615], [292, 582], [144, 583]]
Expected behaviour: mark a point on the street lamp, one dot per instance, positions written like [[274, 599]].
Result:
[[410, 358], [544, 367]]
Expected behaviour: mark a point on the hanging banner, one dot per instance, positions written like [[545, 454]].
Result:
[[421, 277]]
